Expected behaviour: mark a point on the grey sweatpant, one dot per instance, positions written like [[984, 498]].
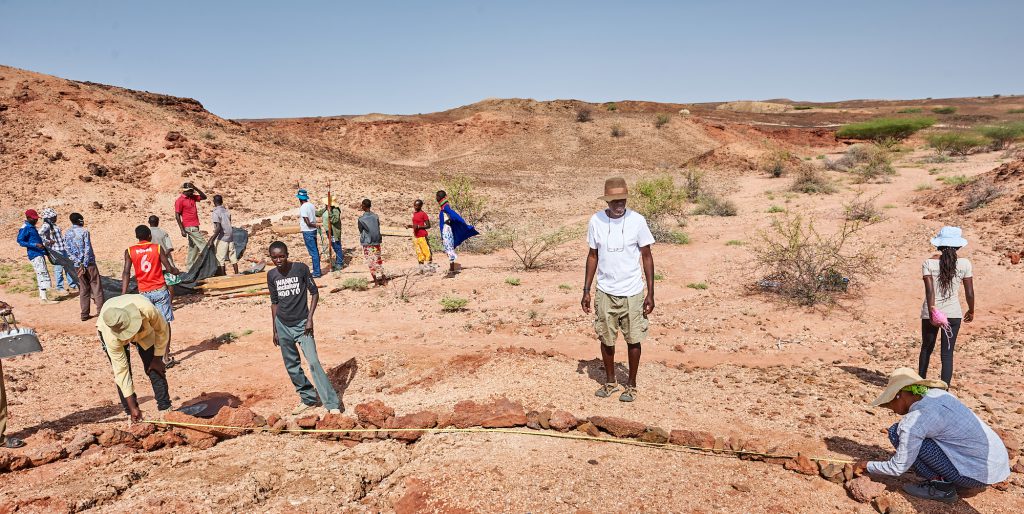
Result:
[[290, 338]]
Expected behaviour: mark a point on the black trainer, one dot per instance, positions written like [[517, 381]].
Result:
[[933, 490]]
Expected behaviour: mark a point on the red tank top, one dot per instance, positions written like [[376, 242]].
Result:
[[149, 272]]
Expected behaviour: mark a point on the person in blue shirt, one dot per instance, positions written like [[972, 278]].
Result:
[[28, 238], [454, 230]]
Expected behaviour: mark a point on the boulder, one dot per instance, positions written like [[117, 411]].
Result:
[[831, 471], [562, 421], [19, 462], [82, 440], [618, 427], [801, 464], [308, 421], [498, 413], [141, 430], [335, 422], [244, 419], [374, 413], [863, 489], [162, 440], [692, 438], [533, 420], [654, 435], [425, 419], [46, 454], [113, 437]]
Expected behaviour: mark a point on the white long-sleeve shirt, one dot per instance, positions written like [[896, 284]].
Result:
[[973, 448]]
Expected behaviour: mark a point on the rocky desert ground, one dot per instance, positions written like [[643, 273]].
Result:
[[727, 365]]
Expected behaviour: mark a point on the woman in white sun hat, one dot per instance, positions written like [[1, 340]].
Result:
[[944, 273]]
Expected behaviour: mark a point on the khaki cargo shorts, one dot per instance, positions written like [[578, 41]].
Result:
[[226, 252], [615, 313]]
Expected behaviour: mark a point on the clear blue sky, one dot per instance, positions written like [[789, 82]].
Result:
[[247, 59]]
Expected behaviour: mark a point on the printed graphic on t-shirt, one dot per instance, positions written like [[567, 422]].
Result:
[[288, 286]]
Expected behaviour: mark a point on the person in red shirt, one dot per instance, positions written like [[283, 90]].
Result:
[[149, 260], [419, 226], [187, 215]]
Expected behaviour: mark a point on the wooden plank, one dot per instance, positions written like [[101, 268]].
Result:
[[235, 281], [285, 229], [244, 295]]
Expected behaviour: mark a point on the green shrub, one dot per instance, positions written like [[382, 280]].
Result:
[[536, 249], [618, 131], [659, 276], [453, 303], [661, 120], [513, 281], [809, 180], [923, 187], [355, 284], [955, 180], [911, 110], [957, 143], [564, 287], [664, 205], [877, 167], [862, 209], [777, 163], [491, 239], [802, 107], [611, 106], [734, 242], [884, 130], [1003, 135], [775, 208], [1015, 111], [713, 205], [463, 198], [944, 110], [583, 115], [697, 285]]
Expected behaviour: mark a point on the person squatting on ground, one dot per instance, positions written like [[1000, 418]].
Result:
[[290, 283], [943, 275], [80, 251], [308, 226], [420, 224], [149, 261], [28, 238], [53, 240], [187, 215], [619, 240], [370, 239], [132, 319], [330, 220], [454, 230], [5, 442], [939, 437], [223, 237]]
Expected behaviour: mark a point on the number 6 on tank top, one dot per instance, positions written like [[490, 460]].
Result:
[[149, 272]]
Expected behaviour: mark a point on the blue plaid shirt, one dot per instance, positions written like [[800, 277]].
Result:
[[79, 246], [52, 237]]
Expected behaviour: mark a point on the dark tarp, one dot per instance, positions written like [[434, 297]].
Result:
[[204, 267]]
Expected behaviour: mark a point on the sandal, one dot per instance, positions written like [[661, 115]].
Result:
[[628, 395], [13, 442], [606, 390]]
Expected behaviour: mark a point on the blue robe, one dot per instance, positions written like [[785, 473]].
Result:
[[461, 230]]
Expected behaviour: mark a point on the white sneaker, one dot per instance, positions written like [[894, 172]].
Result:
[[334, 411], [302, 407]]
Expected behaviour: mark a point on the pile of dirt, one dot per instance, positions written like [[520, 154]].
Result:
[[754, 107]]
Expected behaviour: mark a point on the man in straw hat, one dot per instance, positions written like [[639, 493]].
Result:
[[187, 215], [945, 443], [330, 217], [133, 319], [619, 241]]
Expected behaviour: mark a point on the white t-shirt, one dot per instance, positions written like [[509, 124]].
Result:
[[307, 210], [618, 243], [948, 304]]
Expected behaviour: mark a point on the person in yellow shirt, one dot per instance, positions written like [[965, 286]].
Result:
[[133, 319]]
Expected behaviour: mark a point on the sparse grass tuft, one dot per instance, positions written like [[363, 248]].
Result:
[[661, 120], [564, 287], [777, 163], [513, 281], [584, 115], [611, 106], [355, 284], [923, 187], [944, 110], [734, 242], [775, 208], [618, 131], [453, 303], [697, 285], [659, 276], [981, 193], [955, 180], [911, 110], [811, 181], [1015, 111], [863, 210], [714, 205], [802, 107]]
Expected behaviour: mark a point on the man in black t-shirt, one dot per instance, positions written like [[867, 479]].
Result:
[[290, 283]]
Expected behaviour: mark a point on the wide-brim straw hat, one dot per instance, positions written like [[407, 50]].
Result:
[[903, 377], [949, 236], [124, 322], [332, 203], [615, 189]]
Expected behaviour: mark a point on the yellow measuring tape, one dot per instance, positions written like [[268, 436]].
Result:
[[558, 435]]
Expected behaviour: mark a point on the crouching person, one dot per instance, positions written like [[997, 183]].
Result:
[[944, 441], [132, 319]]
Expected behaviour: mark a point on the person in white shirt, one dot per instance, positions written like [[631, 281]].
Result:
[[308, 225], [619, 241]]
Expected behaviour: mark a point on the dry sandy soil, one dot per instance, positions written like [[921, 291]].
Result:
[[722, 360]]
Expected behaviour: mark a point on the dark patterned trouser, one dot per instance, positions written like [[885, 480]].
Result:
[[933, 464]]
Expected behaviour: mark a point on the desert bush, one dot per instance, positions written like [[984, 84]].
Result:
[[776, 163], [923, 187], [697, 285], [1015, 111], [981, 193], [464, 198], [535, 249], [661, 120], [355, 284], [955, 180], [876, 166], [665, 234], [564, 287], [513, 281], [710, 204], [807, 267], [734, 242], [862, 209], [775, 209], [886, 131], [659, 196], [802, 107], [584, 115], [618, 131], [611, 106], [811, 181], [493, 237], [910, 110], [694, 183], [453, 303], [1003, 135], [957, 143], [944, 110]]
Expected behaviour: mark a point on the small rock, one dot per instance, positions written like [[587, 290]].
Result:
[[563, 421], [592, 462], [801, 464], [831, 471], [308, 421], [374, 413], [46, 454], [742, 487], [654, 435], [588, 428], [1018, 467], [618, 427], [882, 504], [140, 430], [533, 420], [240, 417], [692, 438], [863, 489], [335, 422], [82, 440], [425, 419], [499, 413], [113, 437]]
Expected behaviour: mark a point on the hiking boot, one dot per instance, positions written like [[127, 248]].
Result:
[[302, 407], [334, 411], [933, 490]]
